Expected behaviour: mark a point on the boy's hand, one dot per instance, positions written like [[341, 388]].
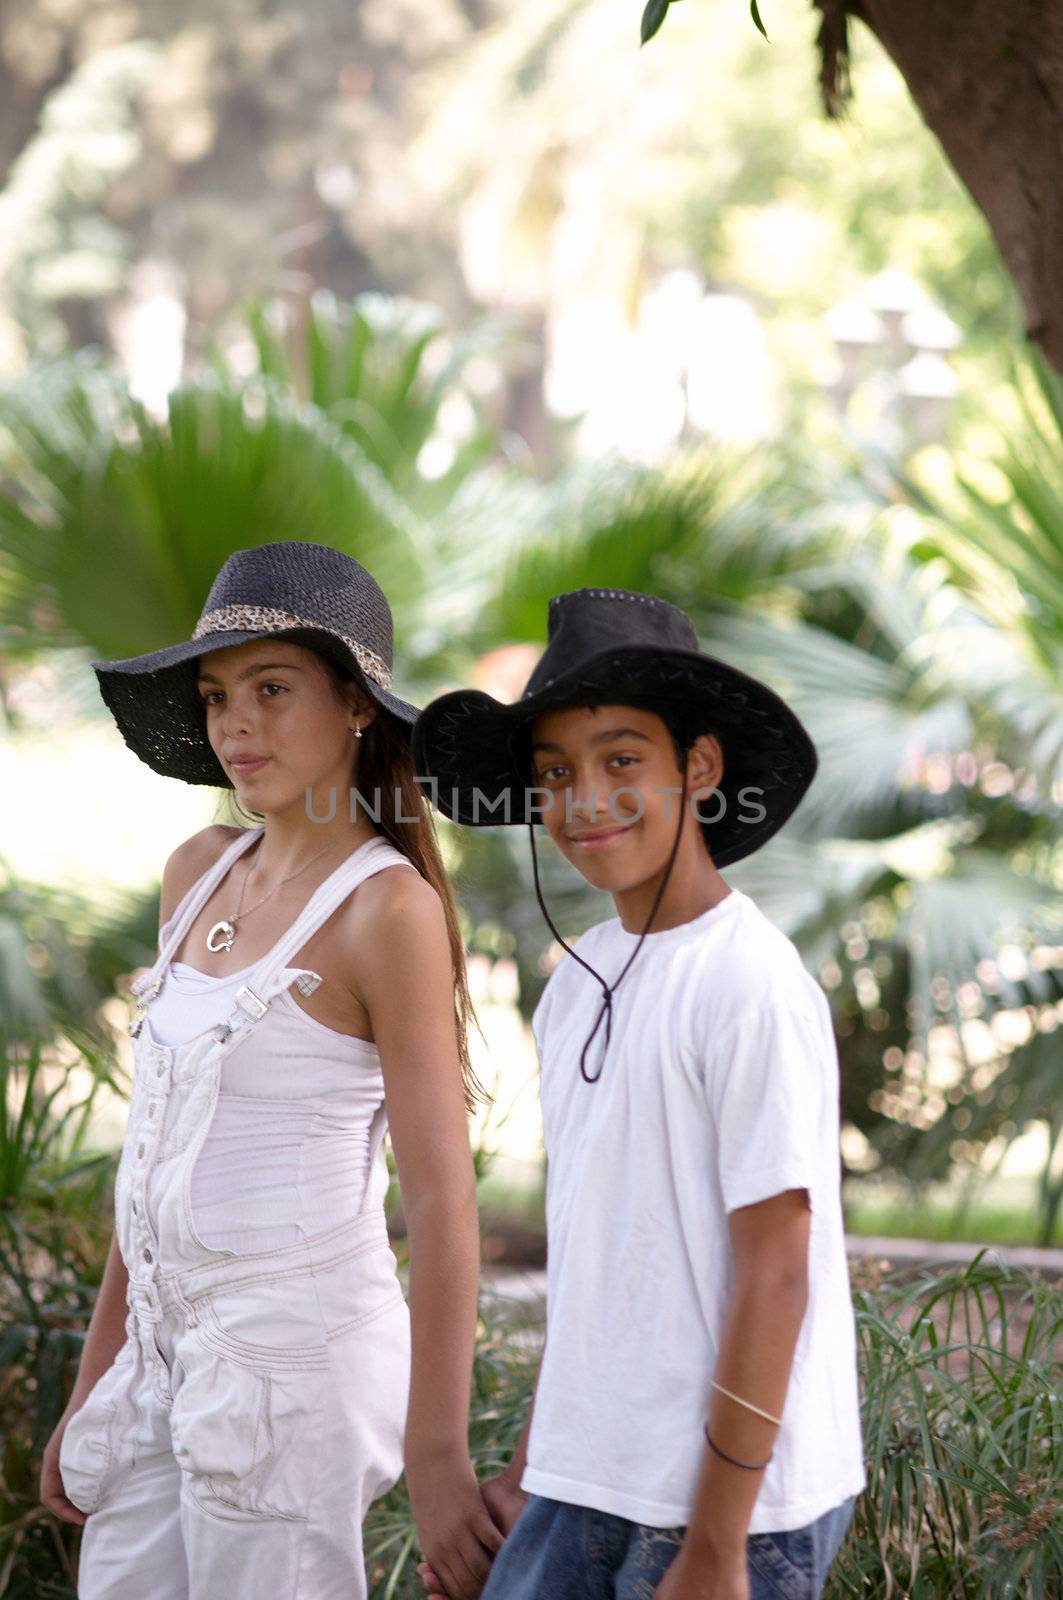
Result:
[[687, 1579], [504, 1503], [457, 1534], [504, 1500]]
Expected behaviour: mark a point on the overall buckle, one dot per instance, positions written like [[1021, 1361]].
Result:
[[248, 1000], [249, 1003]]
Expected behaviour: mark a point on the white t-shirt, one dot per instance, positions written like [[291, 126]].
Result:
[[720, 1088]]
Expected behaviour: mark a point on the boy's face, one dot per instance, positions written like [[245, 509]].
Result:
[[611, 788]]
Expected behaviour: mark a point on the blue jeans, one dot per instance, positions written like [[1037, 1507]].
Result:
[[557, 1551]]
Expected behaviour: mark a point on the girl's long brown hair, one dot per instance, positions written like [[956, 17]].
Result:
[[386, 781]]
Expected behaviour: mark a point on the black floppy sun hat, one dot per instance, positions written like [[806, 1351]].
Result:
[[613, 646], [291, 589]]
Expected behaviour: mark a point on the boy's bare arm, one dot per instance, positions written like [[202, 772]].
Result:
[[760, 1332]]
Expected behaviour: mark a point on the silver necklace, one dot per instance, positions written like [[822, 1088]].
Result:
[[224, 931]]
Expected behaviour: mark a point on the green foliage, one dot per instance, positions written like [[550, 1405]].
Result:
[[99, 500], [652, 18], [55, 1229], [656, 11], [57, 241], [963, 1440], [906, 873], [504, 1369], [713, 154], [996, 527], [61, 953], [389, 372], [1003, 1216], [923, 653]]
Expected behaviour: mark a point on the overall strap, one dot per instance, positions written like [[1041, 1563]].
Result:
[[193, 902], [371, 857]]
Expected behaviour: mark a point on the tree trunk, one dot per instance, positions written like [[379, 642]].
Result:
[[987, 76]]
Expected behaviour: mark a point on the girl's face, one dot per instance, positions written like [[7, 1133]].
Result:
[[612, 789], [275, 723]]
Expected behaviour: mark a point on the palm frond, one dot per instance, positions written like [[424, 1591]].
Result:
[[391, 374], [136, 506], [871, 719], [709, 532], [1003, 547]]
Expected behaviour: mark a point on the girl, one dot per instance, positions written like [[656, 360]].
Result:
[[252, 1377]]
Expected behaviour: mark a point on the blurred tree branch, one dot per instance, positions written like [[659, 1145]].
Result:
[[988, 80]]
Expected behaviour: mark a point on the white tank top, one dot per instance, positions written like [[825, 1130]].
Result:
[[289, 1141]]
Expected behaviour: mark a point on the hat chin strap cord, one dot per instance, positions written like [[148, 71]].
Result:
[[608, 990]]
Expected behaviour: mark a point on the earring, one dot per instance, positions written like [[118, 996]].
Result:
[[358, 731]]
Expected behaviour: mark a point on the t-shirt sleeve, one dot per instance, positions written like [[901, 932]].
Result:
[[768, 1086]]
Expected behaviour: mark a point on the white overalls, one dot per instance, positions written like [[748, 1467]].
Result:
[[259, 1402]]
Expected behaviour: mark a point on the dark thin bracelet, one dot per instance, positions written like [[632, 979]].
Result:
[[750, 1466]]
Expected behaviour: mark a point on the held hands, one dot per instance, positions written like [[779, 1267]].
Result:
[[457, 1534], [504, 1503], [53, 1495]]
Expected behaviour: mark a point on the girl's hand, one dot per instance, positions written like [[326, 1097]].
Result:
[[457, 1535], [53, 1495], [689, 1579], [504, 1502], [431, 1581]]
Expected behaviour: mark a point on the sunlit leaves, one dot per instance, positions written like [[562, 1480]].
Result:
[[652, 18]]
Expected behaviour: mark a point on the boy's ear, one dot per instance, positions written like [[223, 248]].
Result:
[[705, 762]]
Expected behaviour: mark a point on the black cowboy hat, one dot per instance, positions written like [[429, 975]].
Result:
[[291, 589], [611, 646]]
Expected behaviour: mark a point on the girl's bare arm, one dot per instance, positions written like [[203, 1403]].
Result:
[[405, 980], [103, 1340]]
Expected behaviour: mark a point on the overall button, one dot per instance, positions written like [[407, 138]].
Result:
[[148, 1256]]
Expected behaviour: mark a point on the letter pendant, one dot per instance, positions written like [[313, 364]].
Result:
[[226, 933]]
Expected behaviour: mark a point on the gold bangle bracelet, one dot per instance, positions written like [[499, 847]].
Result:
[[748, 1404]]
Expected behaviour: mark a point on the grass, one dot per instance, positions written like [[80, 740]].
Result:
[[1004, 1214], [959, 1370], [963, 1437]]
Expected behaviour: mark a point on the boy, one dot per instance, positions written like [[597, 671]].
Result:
[[695, 1431]]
